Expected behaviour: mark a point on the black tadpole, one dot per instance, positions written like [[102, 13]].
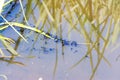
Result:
[[63, 42], [74, 43]]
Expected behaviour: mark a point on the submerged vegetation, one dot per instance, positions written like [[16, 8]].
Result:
[[98, 21]]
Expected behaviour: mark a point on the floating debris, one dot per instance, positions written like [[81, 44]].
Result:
[[66, 43], [63, 42]]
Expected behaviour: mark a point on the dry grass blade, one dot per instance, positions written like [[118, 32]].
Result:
[[56, 63], [12, 62], [47, 11], [28, 27], [13, 27], [1, 5], [23, 12], [6, 42], [8, 2]]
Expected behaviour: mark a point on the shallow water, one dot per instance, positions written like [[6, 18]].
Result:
[[39, 61], [40, 58]]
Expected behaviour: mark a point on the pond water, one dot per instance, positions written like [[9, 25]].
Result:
[[40, 57], [46, 59]]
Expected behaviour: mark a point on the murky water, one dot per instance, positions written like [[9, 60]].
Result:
[[46, 59]]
